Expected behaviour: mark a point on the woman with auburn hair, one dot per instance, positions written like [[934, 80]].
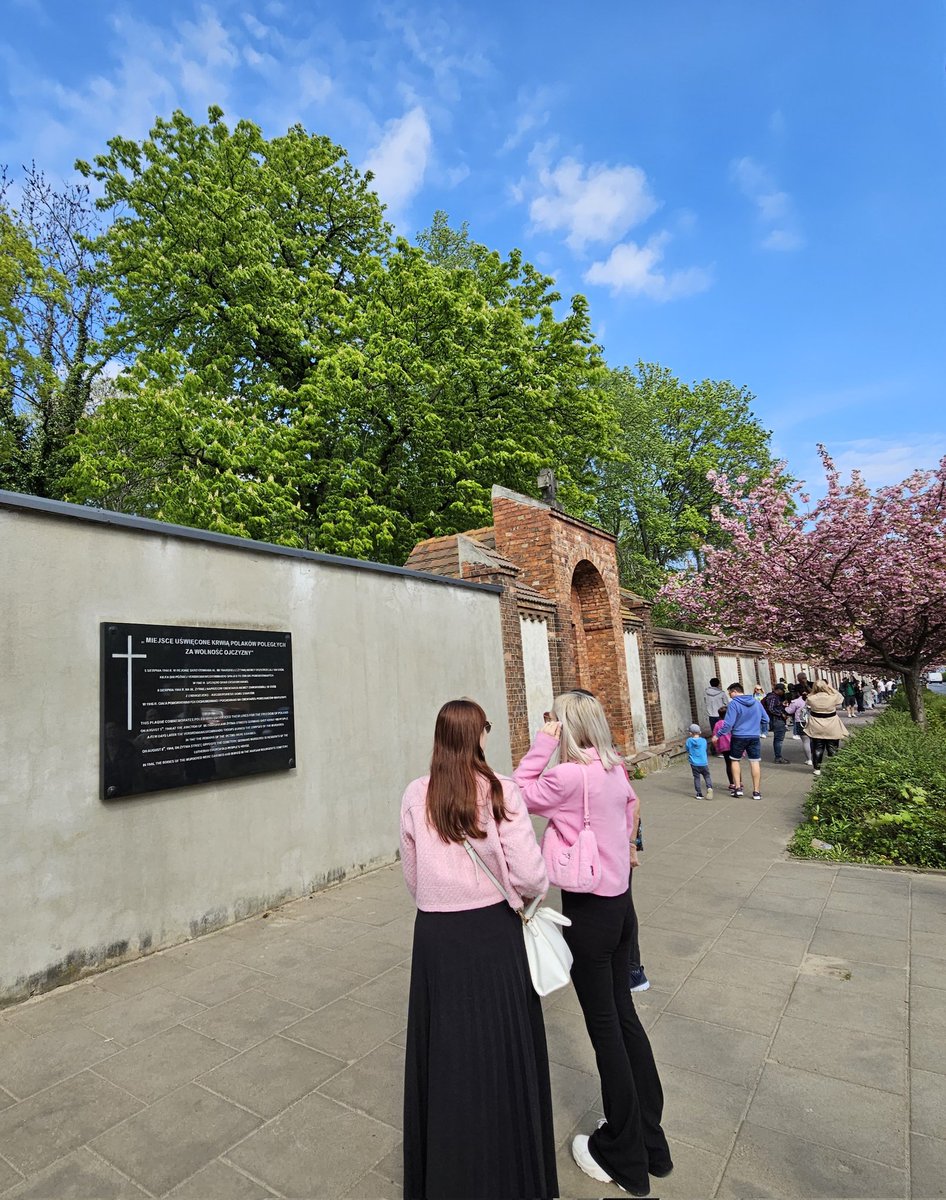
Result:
[[629, 1144], [477, 1097]]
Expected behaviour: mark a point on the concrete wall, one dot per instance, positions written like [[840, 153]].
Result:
[[730, 672], [635, 683], [537, 669], [704, 669], [674, 693], [375, 653]]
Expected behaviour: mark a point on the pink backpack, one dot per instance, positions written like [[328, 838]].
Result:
[[723, 740], [575, 867]]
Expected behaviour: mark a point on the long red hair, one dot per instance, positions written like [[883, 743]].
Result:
[[456, 769]]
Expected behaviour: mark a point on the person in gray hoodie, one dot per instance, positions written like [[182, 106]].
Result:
[[714, 698], [744, 721]]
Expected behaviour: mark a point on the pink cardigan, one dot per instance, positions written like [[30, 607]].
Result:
[[442, 877], [613, 804]]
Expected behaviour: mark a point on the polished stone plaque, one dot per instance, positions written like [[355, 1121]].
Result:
[[183, 705]]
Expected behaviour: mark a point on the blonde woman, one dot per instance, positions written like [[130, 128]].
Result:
[[825, 727], [629, 1144]]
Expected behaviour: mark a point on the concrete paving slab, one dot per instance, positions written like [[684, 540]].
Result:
[[217, 982], [81, 1175], [927, 1103], [843, 1053], [6, 1099], [142, 1016], [47, 1126], [317, 1148], [817, 1108], [41, 1061], [70, 1006], [388, 992], [8, 1176], [314, 985], [727, 1054], [774, 947], [786, 924], [927, 1168], [706, 1111], [928, 1007], [871, 882], [928, 972], [826, 1001], [365, 1085], [367, 956], [169, 1141], [750, 974], [345, 1029], [219, 1181], [157, 970], [772, 1164], [269, 1077], [933, 945], [886, 925], [247, 1019], [161, 1064], [927, 1048], [860, 947], [928, 920], [706, 1000]]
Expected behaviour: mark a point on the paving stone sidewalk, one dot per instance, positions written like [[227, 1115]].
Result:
[[798, 1013]]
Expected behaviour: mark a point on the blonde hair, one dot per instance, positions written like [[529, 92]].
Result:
[[584, 726], [820, 687]]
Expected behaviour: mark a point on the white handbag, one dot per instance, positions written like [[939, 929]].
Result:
[[550, 959]]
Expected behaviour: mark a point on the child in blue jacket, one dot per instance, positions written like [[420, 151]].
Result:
[[699, 763]]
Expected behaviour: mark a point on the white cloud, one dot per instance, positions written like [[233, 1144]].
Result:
[[597, 203], [399, 160], [533, 110], [884, 461], [775, 209], [635, 270]]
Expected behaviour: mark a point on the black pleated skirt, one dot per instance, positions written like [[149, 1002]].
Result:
[[477, 1099]]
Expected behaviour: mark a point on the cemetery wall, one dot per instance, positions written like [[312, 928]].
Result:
[[376, 651]]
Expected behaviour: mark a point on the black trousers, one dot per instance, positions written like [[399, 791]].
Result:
[[600, 938], [819, 746]]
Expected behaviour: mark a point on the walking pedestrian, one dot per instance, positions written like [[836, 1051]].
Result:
[[859, 694], [744, 721], [477, 1097], [849, 694], [714, 698], [799, 715], [774, 705], [870, 695], [721, 741], [699, 764], [825, 727], [629, 1143]]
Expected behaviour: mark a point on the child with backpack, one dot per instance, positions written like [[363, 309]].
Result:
[[699, 763]]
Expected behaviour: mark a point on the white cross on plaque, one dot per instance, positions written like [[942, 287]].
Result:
[[128, 654]]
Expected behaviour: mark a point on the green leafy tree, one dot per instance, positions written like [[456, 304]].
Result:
[[295, 376], [654, 495], [50, 306]]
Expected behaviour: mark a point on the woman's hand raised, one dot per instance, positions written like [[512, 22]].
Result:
[[552, 728]]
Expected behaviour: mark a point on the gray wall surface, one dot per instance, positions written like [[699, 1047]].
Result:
[[375, 653]]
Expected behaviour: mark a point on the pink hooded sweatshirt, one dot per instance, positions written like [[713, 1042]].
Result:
[[612, 803]]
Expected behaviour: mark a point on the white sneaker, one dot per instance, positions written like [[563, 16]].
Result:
[[709, 793], [796, 737], [808, 762], [582, 1156], [816, 771]]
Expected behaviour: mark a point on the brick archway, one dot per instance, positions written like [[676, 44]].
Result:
[[594, 640]]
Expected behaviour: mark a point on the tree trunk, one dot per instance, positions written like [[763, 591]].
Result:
[[915, 686]]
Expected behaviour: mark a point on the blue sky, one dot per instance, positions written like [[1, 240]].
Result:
[[744, 189]]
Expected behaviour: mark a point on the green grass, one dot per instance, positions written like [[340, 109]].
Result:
[[882, 798]]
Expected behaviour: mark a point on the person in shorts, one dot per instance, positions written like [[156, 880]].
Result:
[[744, 719]]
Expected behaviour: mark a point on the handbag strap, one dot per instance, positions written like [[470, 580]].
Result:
[[526, 913], [584, 797]]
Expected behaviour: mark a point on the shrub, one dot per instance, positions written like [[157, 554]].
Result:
[[882, 799]]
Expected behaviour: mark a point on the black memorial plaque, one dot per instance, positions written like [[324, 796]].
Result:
[[185, 705]]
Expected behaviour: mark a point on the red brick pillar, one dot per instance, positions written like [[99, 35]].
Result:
[[655, 718], [516, 708]]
